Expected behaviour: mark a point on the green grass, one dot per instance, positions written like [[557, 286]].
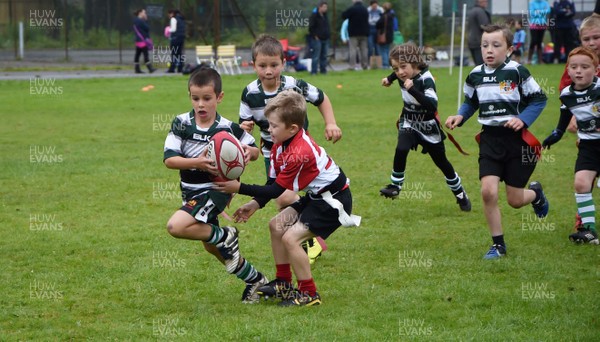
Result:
[[86, 256]]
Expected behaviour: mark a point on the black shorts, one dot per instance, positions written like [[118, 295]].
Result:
[[206, 206], [321, 218], [503, 153], [409, 139], [588, 157]]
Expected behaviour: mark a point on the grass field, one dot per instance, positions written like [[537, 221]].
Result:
[[86, 256]]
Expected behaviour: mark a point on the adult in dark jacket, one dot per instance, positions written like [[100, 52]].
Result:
[[318, 29], [177, 38], [358, 30], [386, 25], [141, 32], [564, 27], [477, 18]]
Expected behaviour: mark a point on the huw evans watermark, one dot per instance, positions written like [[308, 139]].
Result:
[[414, 259], [167, 259], [46, 19], [415, 191], [44, 222], [41, 290], [291, 18], [44, 86], [167, 327], [161, 56], [166, 191], [531, 222], [44, 154], [414, 327], [536, 291]]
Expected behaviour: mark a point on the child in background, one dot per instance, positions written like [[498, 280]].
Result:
[[185, 150], [518, 41], [297, 164], [268, 58], [589, 34], [418, 123], [509, 101], [581, 100]]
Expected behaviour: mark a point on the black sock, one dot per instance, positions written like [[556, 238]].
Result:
[[499, 240]]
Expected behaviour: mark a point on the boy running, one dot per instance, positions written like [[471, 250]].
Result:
[[185, 150], [268, 59], [582, 101], [509, 100], [297, 163], [418, 123]]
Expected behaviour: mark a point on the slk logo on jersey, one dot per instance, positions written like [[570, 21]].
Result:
[[584, 99], [200, 137], [488, 79], [507, 87]]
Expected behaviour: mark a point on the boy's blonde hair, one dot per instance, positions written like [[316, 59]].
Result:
[[590, 22], [506, 32], [289, 106], [580, 50], [267, 45], [408, 53]]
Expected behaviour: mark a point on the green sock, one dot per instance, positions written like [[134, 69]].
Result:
[[247, 272], [216, 234], [587, 211]]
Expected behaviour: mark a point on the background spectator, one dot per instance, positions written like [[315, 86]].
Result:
[[375, 13], [386, 25], [141, 33], [563, 11], [177, 38], [539, 18], [358, 30], [477, 18], [318, 29]]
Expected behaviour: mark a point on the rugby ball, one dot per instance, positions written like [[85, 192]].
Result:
[[227, 154]]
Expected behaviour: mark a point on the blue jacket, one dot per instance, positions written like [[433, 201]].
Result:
[[539, 12], [142, 27]]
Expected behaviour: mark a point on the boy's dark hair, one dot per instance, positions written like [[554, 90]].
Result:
[[372, 2], [321, 3], [267, 45], [206, 76], [408, 53], [289, 106], [137, 12], [508, 35]]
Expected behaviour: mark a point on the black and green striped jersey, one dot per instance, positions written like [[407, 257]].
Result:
[[585, 105], [420, 106], [503, 93], [254, 99], [186, 139]]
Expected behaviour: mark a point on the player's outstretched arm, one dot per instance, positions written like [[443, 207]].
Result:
[[229, 187], [332, 131], [247, 125], [453, 121], [243, 213], [250, 153]]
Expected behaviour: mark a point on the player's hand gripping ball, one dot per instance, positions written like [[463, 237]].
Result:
[[227, 153]]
